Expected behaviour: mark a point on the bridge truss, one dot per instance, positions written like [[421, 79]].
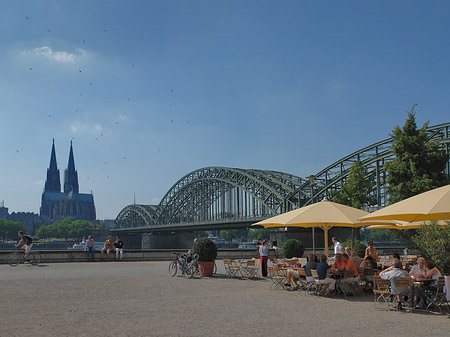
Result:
[[222, 194]]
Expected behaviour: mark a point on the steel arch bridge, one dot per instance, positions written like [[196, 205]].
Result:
[[218, 195]]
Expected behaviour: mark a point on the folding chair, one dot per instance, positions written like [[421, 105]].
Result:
[[435, 295], [381, 290], [277, 279], [406, 283], [347, 283], [250, 269], [303, 283], [318, 287], [233, 269]]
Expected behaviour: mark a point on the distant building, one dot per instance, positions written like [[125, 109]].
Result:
[[29, 219], [56, 205]]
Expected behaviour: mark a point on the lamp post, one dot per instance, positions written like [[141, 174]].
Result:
[[311, 183]]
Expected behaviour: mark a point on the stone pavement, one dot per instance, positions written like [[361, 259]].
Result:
[[141, 299]]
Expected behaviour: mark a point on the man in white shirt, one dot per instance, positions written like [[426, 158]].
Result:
[[338, 249], [390, 274]]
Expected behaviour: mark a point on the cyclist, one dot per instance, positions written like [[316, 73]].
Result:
[[28, 243]]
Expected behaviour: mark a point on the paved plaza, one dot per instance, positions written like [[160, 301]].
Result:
[[141, 299]]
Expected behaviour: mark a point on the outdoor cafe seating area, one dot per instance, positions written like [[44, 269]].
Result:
[[349, 285]]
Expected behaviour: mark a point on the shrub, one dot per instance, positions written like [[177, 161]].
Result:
[[292, 247], [205, 248], [434, 243], [358, 247]]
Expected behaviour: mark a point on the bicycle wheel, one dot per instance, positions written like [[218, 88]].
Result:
[[198, 271], [35, 258], [189, 271], [215, 269], [13, 259], [173, 268]]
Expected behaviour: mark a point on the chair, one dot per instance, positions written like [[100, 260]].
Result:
[[435, 295], [232, 269], [277, 278], [303, 282], [319, 287], [348, 283], [250, 269], [406, 283], [381, 290]]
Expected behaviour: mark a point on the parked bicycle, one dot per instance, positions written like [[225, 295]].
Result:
[[180, 264], [197, 270], [18, 257]]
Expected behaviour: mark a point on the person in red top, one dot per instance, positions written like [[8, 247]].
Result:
[[349, 265], [339, 264]]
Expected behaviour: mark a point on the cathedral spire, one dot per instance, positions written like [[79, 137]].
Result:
[[53, 182], [71, 175]]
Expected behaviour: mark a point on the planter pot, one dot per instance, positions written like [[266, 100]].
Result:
[[208, 267]]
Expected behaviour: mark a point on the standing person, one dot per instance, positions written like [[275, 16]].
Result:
[[28, 243], [118, 244], [89, 247], [274, 243], [338, 249], [371, 251], [264, 253]]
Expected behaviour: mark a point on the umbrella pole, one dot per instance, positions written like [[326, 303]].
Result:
[[325, 230], [313, 241], [353, 237]]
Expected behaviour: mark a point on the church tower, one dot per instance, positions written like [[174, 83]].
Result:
[[71, 175], [53, 182]]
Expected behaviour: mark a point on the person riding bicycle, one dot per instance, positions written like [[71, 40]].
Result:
[[28, 243]]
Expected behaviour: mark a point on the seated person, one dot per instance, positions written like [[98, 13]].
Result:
[[356, 259], [431, 273], [322, 269], [339, 264], [311, 264], [108, 247], [418, 271], [396, 256], [371, 251], [369, 263], [390, 274], [349, 265], [348, 251]]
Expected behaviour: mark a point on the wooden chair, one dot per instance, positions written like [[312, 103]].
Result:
[[406, 293], [381, 290], [435, 295], [347, 283], [318, 288], [277, 278], [250, 269]]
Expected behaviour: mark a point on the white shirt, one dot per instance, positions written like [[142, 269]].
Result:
[[338, 248], [390, 275]]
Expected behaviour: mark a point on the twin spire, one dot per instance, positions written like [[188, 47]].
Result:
[[53, 182]]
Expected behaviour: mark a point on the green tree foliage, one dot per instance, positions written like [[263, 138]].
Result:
[[258, 233], [292, 248], [9, 229], [358, 247], [205, 248], [356, 190], [419, 163], [434, 243], [67, 228], [228, 235]]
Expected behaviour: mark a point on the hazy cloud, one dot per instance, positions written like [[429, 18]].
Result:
[[56, 55], [79, 127]]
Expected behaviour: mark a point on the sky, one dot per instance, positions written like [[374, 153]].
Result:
[[149, 91]]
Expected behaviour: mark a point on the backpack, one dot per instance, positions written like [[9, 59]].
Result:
[[27, 239]]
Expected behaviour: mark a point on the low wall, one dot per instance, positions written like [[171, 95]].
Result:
[[52, 256]]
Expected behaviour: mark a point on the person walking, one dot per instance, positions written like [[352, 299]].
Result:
[[264, 253]]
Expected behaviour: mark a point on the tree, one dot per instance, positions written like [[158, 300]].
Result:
[[418, 167], [259, 233], [356, 190], [419, 163], [434, 243], [228, 235], [67, 228], [9, 229]]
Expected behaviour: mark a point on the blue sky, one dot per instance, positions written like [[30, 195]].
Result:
[[151, 90]]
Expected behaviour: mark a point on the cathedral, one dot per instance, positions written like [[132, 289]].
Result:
[[57, 205]]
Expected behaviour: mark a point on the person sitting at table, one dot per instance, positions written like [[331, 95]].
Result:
[[322, 269], [311, 264], [371, 251], [348, 251], [349, 265], [369, 263], [431, 273], [418, 271], [396, 256], [390, 274], [339, 264], [356, 259]]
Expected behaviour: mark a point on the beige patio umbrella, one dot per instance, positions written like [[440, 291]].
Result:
[[430, 205], [405, 225], [324, 214]]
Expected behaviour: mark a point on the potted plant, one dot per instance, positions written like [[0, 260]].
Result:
[[207, 253], [293, 247]]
